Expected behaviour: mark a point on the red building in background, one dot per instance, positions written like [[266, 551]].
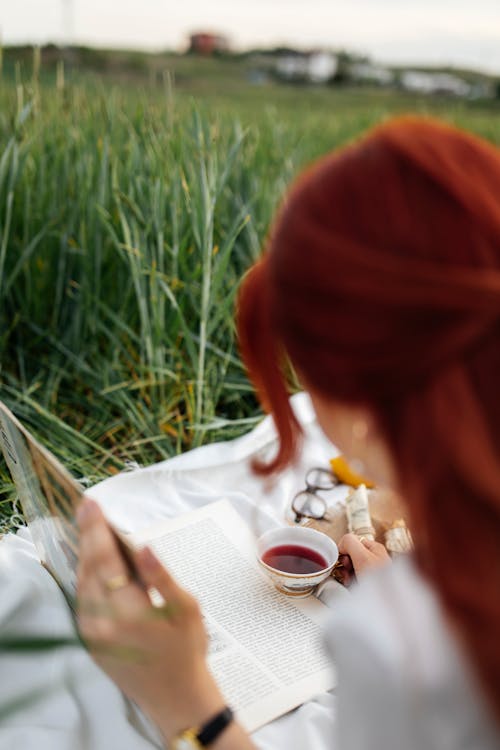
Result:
[[206, 43]]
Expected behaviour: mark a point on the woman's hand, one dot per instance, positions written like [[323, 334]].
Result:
[[364, 554], [157, 656]]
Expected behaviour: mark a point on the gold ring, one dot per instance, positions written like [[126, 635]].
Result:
[[117, 582], [362, 539]]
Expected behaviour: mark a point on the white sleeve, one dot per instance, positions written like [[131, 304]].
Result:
[[403, 681], [56, 699]]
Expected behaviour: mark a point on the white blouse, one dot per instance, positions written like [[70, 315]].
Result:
[[404, 682]]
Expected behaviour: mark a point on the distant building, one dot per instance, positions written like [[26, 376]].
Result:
[[206, 43], [292, 66], [434, 83], [311, 67], [322, 67]]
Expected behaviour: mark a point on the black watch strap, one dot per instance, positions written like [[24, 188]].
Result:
[[211, 730]]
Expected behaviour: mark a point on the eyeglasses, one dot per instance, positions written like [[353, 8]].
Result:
[[307, 503]]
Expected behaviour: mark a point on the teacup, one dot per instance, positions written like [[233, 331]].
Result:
[[322, 551]]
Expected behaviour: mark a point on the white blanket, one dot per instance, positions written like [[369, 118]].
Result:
[[60, 699]]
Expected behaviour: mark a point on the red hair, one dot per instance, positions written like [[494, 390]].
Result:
[[382, 285]]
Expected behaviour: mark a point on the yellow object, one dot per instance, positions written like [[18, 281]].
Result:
[[346, 475]]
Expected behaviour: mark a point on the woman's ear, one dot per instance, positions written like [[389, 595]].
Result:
[[355, 432]]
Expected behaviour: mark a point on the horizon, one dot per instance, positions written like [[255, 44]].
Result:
[[410, 64], [430, 33]]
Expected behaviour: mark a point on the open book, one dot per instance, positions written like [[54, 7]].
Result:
[[265, 650]]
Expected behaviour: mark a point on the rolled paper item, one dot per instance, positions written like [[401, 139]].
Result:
[[358, 513], [398, 539]]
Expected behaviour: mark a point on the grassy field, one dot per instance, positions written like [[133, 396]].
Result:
[[128, 213]]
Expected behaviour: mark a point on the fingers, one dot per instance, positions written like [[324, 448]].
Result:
[[345, 571], [351, 545], [376, 549], [104, 581], [371, 545], [155, 575], [99, 553], [364, 554], [111, 605]]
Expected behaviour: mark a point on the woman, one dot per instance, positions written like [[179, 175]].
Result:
[[381, 285]]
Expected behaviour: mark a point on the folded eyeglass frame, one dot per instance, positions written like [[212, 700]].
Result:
[[307, 503]]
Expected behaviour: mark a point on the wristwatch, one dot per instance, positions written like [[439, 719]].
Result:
[[197, 738]]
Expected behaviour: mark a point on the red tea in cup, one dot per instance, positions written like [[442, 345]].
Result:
[[294, 558]]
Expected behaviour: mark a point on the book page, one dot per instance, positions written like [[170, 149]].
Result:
[[49, 497], [266, 650]]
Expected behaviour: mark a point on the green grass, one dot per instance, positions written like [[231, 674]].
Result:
[[128, 214]]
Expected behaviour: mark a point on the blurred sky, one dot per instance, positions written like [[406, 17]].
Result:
[[461, 32]]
